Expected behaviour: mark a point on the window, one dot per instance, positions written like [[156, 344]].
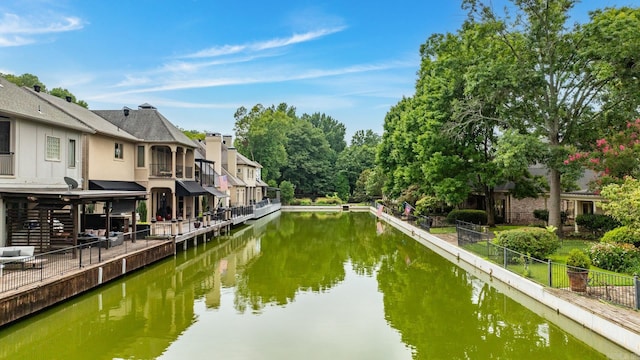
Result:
[[53, 148], [140, 156], [119, 151], [5, 138], [72, 153]]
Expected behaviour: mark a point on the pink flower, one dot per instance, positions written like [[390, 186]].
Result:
[[601, 142], [566, 162], [621, 147], [595, 160]]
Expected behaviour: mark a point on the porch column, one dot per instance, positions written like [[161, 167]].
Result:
[[593, 203], [575, 215], [173, 163]]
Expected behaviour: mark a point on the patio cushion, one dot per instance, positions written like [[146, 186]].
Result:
[[11, 253]]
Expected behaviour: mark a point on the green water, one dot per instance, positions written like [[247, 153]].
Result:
[[302, 286]]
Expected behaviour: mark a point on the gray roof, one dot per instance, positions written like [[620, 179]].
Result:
[[146, 124], [243, 160], [86, 116], [18, 101]]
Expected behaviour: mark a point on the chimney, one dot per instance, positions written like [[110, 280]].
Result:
[[232, 161], [213, 143], [36, 88], [227, 140], [68, 98]]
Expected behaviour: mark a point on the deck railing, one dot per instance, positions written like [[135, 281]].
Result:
[[7, 163]]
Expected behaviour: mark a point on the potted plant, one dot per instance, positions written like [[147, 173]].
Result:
[[578, 270]]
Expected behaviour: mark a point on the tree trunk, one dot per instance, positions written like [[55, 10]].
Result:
[[554, 200], [490, 208]]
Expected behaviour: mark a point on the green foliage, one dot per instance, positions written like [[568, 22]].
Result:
[[623, 202], [536, 242], [342, 187], [358, 157], [426, 205], [142, 210], [194, 134], [30, 80], [597, 223], [329, 200], [543, 214], [622, 235], [302, 201], [287, 190], [472, 216], [578, 259], [332, 129], [615, 256]]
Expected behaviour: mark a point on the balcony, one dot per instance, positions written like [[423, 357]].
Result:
[[7, 163], [161, 170]]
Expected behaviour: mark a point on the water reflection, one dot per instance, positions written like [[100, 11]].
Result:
[[334, 285]]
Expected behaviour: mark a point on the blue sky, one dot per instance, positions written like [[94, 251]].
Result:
[[197, 61]]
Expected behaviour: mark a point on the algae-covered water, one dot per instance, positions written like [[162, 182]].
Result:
[[297, 286]]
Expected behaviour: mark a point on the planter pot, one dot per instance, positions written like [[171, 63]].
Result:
[[578, 280]]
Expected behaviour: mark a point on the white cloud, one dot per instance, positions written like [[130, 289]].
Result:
[[263, 45], [17, 31]]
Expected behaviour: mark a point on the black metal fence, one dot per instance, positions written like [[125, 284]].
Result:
[[619, 289], [39, 267]]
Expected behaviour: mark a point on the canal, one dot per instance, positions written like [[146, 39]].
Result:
[[299, 286]]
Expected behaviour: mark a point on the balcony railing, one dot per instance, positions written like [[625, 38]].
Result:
[[7, 163], [162, 170]]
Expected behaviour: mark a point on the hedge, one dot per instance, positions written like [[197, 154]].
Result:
[[473, 216], [536, 242]]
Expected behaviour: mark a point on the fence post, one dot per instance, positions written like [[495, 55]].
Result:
[[80, 257], [549, 265], [636, 285], [504, 256]]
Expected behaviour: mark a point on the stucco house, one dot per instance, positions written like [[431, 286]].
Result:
[[42, 161], [164, 162]]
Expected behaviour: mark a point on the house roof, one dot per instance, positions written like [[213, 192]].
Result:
[[243, 160], [17, 101], [146, 123], [541, 170], [233, 181], [86, 116]]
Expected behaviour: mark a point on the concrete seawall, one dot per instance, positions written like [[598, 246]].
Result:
[[512, 284]]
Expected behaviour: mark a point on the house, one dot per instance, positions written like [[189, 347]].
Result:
[[243, 175], [42, 162], [164, 162], [573, 203]]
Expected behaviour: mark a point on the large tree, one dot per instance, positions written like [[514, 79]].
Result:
[[333, 129], [261, 135], [30, 80], [358, 156], [574, 82]]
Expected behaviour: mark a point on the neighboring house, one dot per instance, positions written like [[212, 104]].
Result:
[[164, 162], [574, 203], [42, 159], [243, 175]]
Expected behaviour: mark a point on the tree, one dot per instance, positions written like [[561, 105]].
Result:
[[358, 156], [623, 202], [333, 130], [572, 82], [262, 136], [28, 80], [287, 190], [310, 160], [613, 157], [63, 93]]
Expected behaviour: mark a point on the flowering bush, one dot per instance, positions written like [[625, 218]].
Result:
[[622, 235], [615, 256], [612, 158]]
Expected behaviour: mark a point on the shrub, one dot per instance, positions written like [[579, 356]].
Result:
[[302, 201], [578, 259], [615, 256], [329, 201], [472, 216], [623, 234], [535, 242], [597, 223], [543, 214]]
